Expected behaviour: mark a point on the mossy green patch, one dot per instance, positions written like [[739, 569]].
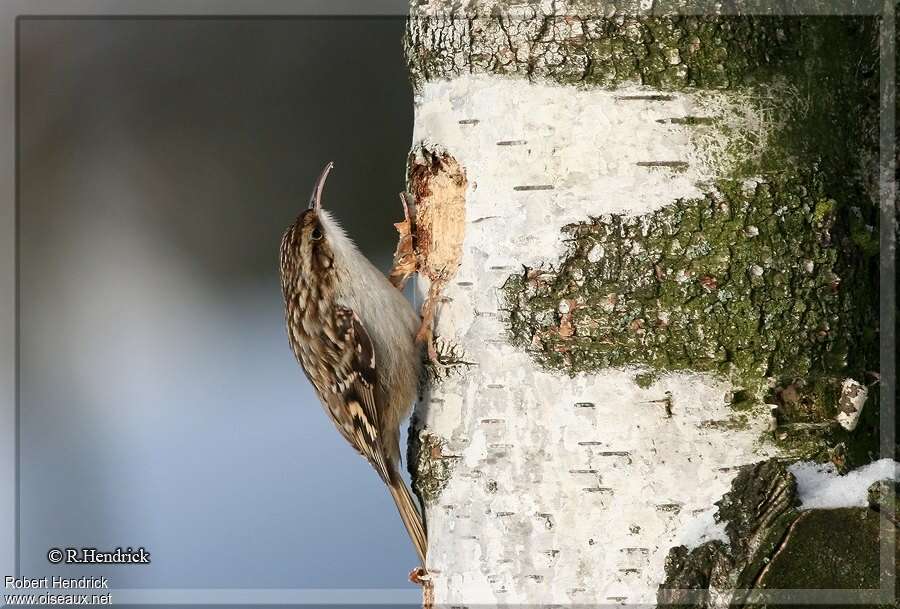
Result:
[[645, 379], [771, 279], [743, 400], [430, 468], [828, 549], [806, 401], [773, 545], [601, 44], [741, 282]]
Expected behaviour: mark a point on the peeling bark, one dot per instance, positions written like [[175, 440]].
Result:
[[438, 184]]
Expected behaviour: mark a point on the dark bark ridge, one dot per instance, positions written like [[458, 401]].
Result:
[[774, 545], [597, 44]]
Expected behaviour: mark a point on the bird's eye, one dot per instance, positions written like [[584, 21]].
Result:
[[316, 234]]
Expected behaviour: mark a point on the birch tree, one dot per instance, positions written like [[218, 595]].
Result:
[[649, 243]]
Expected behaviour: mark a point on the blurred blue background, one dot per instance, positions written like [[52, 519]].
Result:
[[160, 406]]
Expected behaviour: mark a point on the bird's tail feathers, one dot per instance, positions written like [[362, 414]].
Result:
[[409, 513]]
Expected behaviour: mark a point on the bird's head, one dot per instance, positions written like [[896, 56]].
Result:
[[307, 244]]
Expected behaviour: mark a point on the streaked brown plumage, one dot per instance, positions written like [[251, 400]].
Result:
[[353, 333]]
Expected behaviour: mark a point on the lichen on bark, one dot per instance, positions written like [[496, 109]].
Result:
[[602, 43], [738, 299], [430, 467], [770, 279], [757, 511], [676, 290], [746, 282]]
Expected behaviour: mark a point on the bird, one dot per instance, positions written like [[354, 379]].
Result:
[[353, 334]]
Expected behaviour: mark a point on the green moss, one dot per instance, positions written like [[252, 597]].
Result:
[[430, 467], [807, 400], [607, 44], [774, 546], [720, 284], [679, 52], [828, 549], [824, 211], [864, 236], [645, 379], [803, 441], [771, 279], [743, 400]]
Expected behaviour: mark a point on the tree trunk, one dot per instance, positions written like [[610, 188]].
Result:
[[650, 241]]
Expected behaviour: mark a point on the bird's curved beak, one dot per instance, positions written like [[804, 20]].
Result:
[[315, 199]]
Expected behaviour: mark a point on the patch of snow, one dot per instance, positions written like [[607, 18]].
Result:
[[701, 529], [820, 486]]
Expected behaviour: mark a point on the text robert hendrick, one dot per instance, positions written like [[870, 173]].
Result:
[[56, 582], [119, 556]]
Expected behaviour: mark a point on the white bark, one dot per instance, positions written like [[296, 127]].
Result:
[[567, 490]]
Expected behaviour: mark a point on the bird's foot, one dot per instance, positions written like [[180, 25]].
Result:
[[405, 255], [419, 576], [426, 335]]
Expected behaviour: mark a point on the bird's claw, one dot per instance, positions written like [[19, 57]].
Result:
[[426, 335], [419, 576], [405, 255]]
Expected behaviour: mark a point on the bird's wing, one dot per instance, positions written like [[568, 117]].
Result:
[[352, 395]]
